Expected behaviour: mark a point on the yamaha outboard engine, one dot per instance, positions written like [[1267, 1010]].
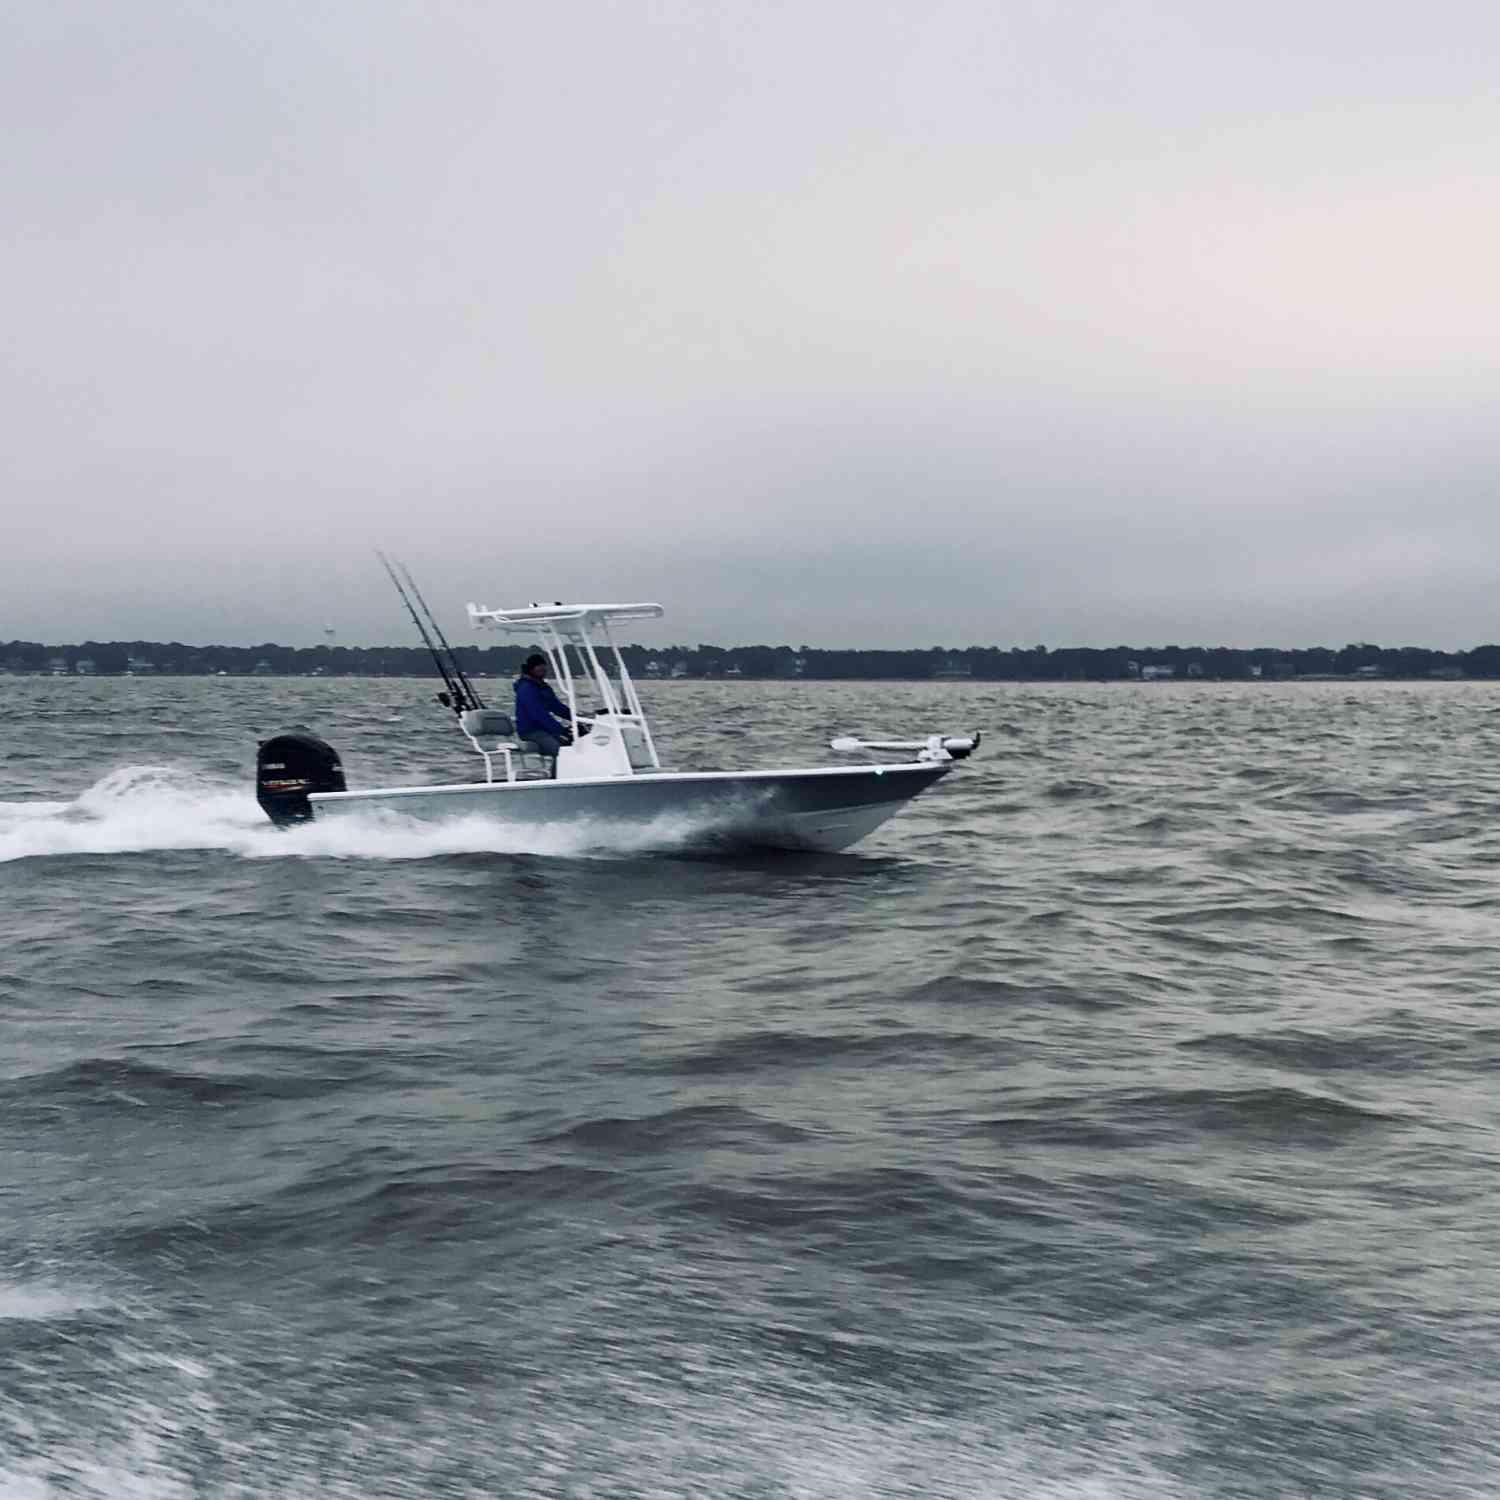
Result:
[[290, 766]]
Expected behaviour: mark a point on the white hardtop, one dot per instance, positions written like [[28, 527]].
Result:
[[580, 617]]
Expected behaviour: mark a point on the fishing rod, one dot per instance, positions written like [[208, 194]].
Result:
[[455, 697], [453, 661]]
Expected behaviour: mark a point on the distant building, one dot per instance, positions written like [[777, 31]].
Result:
[[1153, 672], [679, 669], [85, 666], [953, 667], [262, 668]]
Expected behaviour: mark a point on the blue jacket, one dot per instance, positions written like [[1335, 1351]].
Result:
[[535, 705]]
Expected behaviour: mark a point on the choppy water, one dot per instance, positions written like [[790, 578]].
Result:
[[1118, 1121]]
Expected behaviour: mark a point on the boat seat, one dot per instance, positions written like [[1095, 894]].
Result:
[[489, 721], [492, 732]]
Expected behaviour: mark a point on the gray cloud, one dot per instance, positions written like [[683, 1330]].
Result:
[[838, 323]]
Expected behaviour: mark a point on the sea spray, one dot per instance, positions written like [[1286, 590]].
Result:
[[149, 808]]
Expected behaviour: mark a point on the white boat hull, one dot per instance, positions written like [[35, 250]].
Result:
[[828, 808]]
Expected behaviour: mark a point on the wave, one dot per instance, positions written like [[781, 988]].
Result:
[[692, 1128], [1393, 1052], [958, 989], [869, 1212], [370, 1197], [763, 1050], [1288, 1115], [108, 1083], [1072, 791], [163, 808], [1294, 915], [1120, 1119], [47, 1302]]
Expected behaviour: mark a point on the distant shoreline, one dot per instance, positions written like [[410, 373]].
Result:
[[1359, 662]]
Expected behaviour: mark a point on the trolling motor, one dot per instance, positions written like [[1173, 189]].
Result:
[[288, 767], [934, 747]]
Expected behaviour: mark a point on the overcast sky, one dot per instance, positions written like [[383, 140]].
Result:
[[824, 321]]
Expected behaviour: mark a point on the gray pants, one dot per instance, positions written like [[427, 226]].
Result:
[[544, 744]]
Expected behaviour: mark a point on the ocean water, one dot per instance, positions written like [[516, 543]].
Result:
[[1118, 1121]]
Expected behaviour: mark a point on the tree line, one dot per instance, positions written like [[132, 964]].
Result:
[[980, 663]]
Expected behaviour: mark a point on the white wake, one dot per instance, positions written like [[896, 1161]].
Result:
[[140, 809]]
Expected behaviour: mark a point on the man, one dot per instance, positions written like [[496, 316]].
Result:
[[536, 704]]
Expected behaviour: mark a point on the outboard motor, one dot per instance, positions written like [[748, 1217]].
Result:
[[287, 768]]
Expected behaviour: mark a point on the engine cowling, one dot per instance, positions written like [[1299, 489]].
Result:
[[290, 766]]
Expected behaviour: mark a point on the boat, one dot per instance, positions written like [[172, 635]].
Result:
[[610, 780]]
